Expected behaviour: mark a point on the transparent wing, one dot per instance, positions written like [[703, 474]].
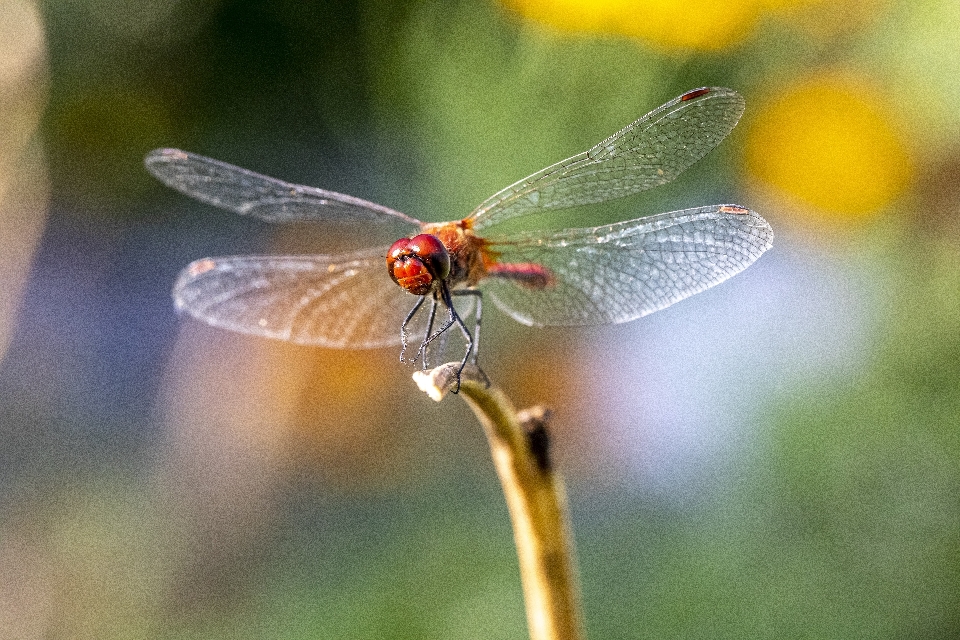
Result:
[[245, 192], [342, 301], [649, 152], [620, 272]]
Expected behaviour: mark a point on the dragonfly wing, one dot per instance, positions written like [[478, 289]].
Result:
[[341, 301], [649, 152], [622, 271], [245, 192]]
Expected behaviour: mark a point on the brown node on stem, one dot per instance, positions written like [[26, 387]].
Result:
[[535, 422]]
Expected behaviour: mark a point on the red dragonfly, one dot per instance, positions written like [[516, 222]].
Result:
[[609, 274]]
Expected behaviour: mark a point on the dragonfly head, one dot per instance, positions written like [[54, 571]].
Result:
[[417, 263]]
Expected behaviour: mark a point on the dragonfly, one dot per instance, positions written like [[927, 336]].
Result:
[[586, 276]]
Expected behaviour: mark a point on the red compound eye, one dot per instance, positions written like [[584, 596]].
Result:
[[415, 263], [434, 255]]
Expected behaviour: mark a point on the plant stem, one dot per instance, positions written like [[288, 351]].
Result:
[[535, 498]]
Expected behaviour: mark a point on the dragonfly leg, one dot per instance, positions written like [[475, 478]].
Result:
[[406, 321], [443, 294], [455, 317], [476, 326], [430, 337], [433, 316]]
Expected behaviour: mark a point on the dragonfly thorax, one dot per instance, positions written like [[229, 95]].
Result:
[[417, 264]]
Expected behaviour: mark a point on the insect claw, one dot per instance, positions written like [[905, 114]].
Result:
[[486, 380]]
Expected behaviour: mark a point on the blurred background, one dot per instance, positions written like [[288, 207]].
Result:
[[776, 457]]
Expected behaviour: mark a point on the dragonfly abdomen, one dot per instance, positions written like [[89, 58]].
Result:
[[528, 275]]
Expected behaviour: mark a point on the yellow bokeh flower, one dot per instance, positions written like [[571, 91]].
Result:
[[829, 142], [690, 24], [702, 25]]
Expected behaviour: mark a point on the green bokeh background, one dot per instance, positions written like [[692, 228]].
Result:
[[832, 510]]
